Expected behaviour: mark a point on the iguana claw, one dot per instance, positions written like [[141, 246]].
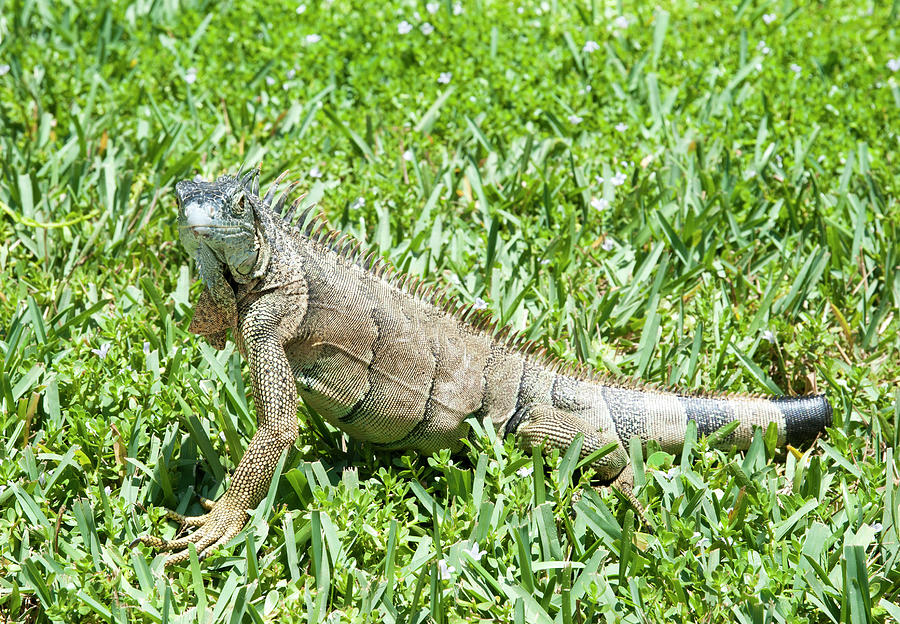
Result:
[[215, 528]]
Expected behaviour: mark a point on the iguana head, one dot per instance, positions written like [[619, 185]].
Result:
[[218, 225]]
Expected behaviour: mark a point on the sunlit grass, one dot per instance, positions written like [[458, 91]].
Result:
[[703, 197]]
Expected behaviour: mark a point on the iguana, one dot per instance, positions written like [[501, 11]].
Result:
[[392, 362]]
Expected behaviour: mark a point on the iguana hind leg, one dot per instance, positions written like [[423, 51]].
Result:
[[547, 426]]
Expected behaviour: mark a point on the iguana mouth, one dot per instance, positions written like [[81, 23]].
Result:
[[206, 230]]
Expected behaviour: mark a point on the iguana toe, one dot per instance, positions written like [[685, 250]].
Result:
[[214, 529]]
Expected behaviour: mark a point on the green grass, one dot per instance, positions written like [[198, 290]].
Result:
[[749, 244]]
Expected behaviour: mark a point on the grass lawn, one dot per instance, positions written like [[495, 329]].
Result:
[[702, 195]]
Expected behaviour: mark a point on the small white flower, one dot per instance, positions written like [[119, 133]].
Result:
[[762, 47], [432, 7], [525, 471], [769, 336], [457, 9], [598, 203], [877, 527], [544, 261], [621, 22], [315, 172], [301, 9], [359, 203], [404, 27], [291, 73], [607, 244], [474, 552], [621, 127], [520, 10], [313, 38], [590, 46], [575, 119], [445, 77], [146, 348], [445, 570], [479, 304], [671, 473], [102, 351], [270, 81], [4, 69], [190, 76], [618, 179], [599, 179], [795, 68], [408, 156], [426, 28], [768, 18], [892, 64]]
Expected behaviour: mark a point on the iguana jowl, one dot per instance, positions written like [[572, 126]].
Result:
[[385, 359]]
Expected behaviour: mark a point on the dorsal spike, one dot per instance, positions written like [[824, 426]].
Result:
[[250, 181], [311, 222], [340, 245], [270, 194], [279, 205], [319, 231], [288, 215]]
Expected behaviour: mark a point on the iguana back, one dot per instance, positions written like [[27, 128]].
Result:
[[389, 362]]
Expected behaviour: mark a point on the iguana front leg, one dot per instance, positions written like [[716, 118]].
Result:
[[275, 397]]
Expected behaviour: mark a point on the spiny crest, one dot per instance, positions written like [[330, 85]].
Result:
[[313, 225]]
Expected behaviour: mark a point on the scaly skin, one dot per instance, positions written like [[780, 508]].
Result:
[[386, 360]]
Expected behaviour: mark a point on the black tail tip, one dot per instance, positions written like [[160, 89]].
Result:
[[805, 417]]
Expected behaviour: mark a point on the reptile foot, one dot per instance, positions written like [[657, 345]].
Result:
[[215, 528]]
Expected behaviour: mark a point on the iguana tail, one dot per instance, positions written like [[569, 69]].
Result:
[[663, 416]]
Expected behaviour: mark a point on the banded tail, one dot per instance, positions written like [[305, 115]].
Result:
[[663, 416]]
